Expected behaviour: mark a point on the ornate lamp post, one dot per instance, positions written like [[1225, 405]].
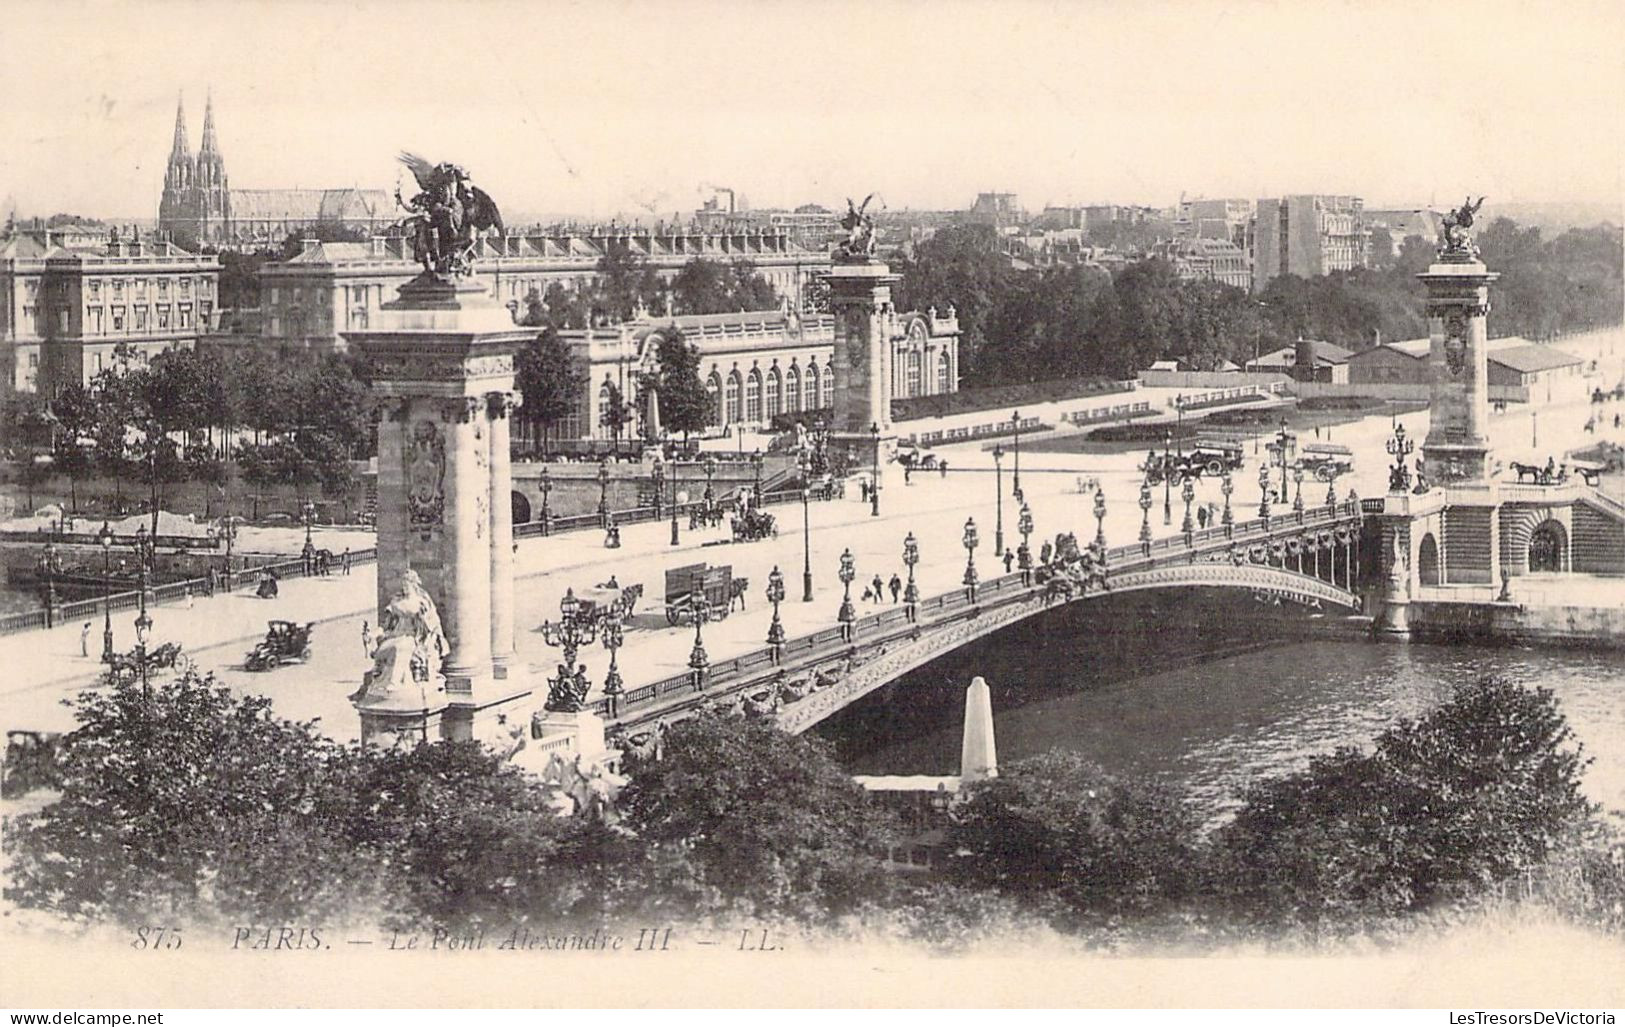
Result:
[[1282, 439], [308, 554], [610, 633], [1167, 477], [50, 562], [775, 595], [710, 465], [1187, 492], [1331, 486], [846, 615], [603, 491], [1024, 552], [143, 631], [1015, 480], [674, 539], [1399, 447], [144, 560], [698, 661], [911, 591], [1264, 488], [572, 631], [544, 483], [970, 541], [756, 466], [806, 544], [1227, 486], [998, 500], [1145, 514], [1297, 499], [105, 539], [657, 474], [228, 531], [1100, 519], [874, 481]]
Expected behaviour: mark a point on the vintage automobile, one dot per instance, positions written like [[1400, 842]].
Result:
[[1205, 456], [1326, 460], [285, 642]]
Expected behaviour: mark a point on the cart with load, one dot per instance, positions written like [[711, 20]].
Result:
[[285, 642], [697, 581], [754, 524], [1326, 460]]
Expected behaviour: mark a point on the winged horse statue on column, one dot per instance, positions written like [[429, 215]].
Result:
[[445, 216]]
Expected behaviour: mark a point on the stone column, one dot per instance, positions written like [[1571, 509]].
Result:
[[860, 299], [498, 406], [1456, 450], [465, 554], [391, 519]]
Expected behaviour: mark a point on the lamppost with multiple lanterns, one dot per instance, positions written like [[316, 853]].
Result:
[[1145, 513], [1264, 492], [1024, 552], [1283, 439], [1399, 447], [610, 633], [806, 544], [1100, 518], [911, 591], [1227, 486], [49, 564], [144, 561], [756, 467], [699, 662], [970, 541], [710, 466], [1167, 477], [775, 595], [1297, 498], [1187, 492], [573, 630], [846, 615]]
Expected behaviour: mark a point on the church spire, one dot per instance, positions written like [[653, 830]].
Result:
[[210, 147], [181, 149]]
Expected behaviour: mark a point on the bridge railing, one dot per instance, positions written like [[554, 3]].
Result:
[[892, 623]]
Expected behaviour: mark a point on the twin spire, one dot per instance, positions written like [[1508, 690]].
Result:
[[182, 148]]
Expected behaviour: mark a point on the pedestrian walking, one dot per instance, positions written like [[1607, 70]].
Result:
[[896, 586], [942, 465], [84, 639], [346, 560], [366, 639], [908, 470], [1201, 517], [879, 585], [1009, 560], [187, 592]]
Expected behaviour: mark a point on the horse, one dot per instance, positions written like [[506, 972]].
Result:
[[737, 587], [629, 600], [1530, 471]]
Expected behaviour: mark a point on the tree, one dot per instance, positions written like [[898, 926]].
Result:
[[685, 405], [740, 817], [625, 282], [74, 410], [1056, 828], [616, 414], [1481, 789], [549, 381]]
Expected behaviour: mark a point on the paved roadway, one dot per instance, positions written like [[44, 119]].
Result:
[[47, 666]]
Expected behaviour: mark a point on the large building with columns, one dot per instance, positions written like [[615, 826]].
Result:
[[327, 289], [755, 364]]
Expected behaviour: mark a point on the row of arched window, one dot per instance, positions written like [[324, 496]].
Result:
[[755, 398]]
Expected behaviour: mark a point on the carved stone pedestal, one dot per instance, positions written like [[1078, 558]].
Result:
[[405, 716]]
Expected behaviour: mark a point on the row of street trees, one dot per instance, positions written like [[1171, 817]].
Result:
[[185, 416], [1077, 321]]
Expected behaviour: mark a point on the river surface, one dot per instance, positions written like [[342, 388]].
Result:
[[1209, 708]]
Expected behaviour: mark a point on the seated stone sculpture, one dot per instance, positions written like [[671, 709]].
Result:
[[412, 647]]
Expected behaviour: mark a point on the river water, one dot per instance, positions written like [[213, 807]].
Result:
[[1207, 706]]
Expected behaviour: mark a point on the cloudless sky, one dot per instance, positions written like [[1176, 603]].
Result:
[[591, 107]]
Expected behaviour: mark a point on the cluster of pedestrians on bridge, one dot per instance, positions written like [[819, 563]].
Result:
[[875, 591]]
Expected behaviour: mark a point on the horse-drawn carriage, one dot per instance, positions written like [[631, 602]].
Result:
[[126, 667], [285, 642], [609, 599], [754, 524], [696, 582]]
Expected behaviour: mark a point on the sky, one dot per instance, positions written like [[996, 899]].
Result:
[[597, 107]]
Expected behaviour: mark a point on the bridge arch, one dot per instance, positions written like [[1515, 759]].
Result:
[[1427, 561], [521, 507], [1549, 548]]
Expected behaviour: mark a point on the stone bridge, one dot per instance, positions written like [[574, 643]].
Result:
[[1309, 558]]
